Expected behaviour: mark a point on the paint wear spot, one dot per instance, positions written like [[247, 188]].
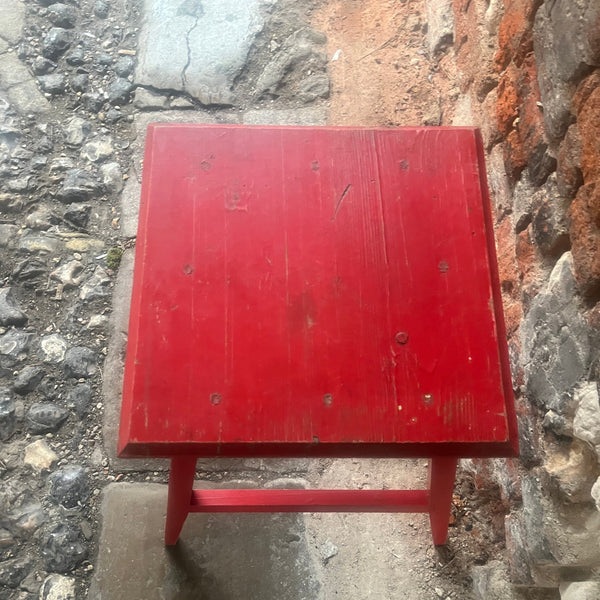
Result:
[[443, 266], [327, 399], [216, 399], [188, 269]]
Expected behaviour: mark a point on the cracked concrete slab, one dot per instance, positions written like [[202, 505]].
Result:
[[220, 557], [12, 19], [197, 46]]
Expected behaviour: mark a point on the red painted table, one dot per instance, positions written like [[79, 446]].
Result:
[[324, 292]]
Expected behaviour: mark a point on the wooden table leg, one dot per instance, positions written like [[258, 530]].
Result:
[[181, 480], [442, 472]]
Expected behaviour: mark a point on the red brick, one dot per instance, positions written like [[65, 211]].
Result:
[[509, 276], [507, 105], [515, 37], [585, 238], [568, 169], [587, 105], [515, 159]]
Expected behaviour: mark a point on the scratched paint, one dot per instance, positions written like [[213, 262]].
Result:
[[295, 257]]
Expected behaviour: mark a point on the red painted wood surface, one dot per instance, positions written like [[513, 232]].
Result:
[[310, 501], [315, 291]]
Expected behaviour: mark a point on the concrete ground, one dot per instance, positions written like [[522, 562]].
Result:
[[232, 557]]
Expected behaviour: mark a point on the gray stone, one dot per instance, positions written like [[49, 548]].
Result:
[[38, 243], [549, 221], [54, 348], [42, 66], [554, 341], [104, 58], [29, 271], [28, 379], [41, 218], [64, 548], [492, 581], [8, 417], [575, 36], [12, 19], [314, 87], [58, 587], [56, 42], [119, 91], [580, 590], [574, 468], [20, 184], [586, 425], [10, 311], [63, 15], [39, 456], [112, 177], [12, 72], [79, 82], [69, 486], [80, 398], [7, 234], [78, 214], [53, 83], [79, 186], [80, 362], [147, 100], [522, 203], [124, 66], [76, 131], [440, 25], [76, 57], [555, 93], [45, 417], [301, 46], [12, 572], [26, 98], [96, 286], [69, 274], [15, 343], [98, 149], [534, 518], [28, 518], [93, 101], [199, 48], [101, 9]]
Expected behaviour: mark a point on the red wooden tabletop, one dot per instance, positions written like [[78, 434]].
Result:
[[315, 291]]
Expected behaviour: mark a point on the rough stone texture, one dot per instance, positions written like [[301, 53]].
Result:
[[585, 238], [568, 169], [219, 34], [8, 419], [69, 486], [440, 25], [555, 93], [58, 587], [491, 582], [12, 19], [574, 469], [45, 417], [10, 312], [63, 548], [303, 45], [595, 492], [550, 229], [587, 106], [580, 590], [515, 39], [554, 340], [586, 425], [39, 456], [575, 36]]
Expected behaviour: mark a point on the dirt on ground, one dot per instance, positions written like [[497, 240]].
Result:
[[380, 69]]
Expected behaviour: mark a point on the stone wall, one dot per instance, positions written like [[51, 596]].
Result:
[[529, 71]]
